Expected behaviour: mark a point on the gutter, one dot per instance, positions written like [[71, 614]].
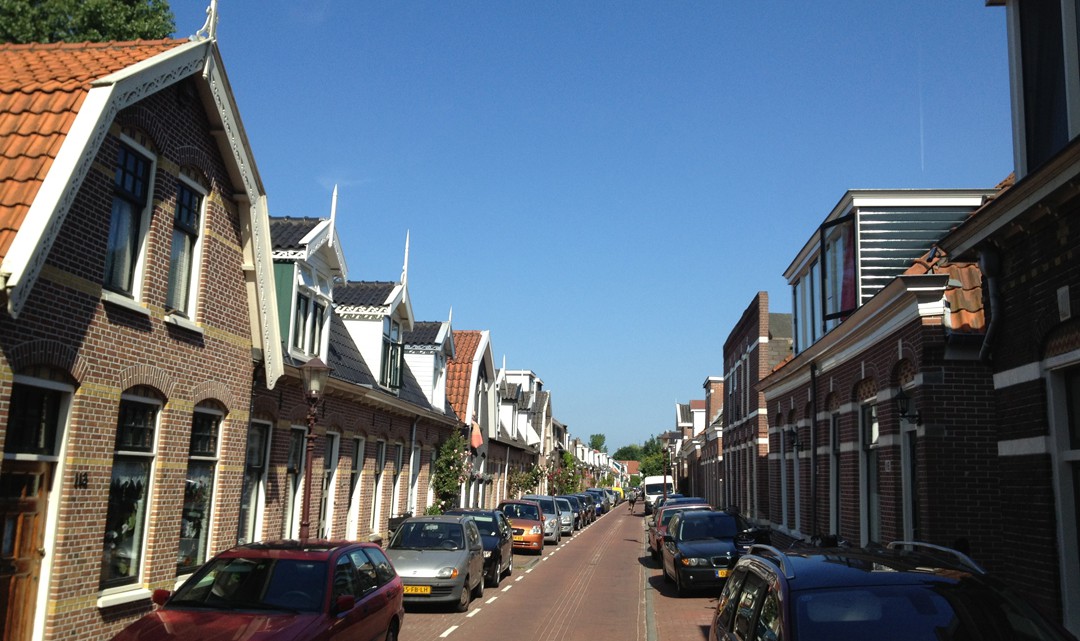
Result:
[[990, 265]]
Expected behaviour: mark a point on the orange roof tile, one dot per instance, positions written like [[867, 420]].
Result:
[[964, 294], [42, 87], [459, 371]]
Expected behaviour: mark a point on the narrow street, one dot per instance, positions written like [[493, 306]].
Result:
[[600, 584]]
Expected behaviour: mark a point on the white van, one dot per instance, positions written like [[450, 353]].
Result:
[[654, 488]]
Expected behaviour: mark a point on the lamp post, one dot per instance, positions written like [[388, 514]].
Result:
[[314, 374]]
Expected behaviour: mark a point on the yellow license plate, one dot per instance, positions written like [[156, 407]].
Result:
[[721, 574], [417, 589], [519, 538]]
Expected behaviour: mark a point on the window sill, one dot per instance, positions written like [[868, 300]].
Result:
[[183, 323], [130, 595], [123, 301]]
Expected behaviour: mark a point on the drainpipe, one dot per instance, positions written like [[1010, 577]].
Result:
[[990, 265], [813, 448]]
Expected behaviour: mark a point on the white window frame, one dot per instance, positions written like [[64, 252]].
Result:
[[399, 467], [309, 336], [376, 501], [138, 266], [356, 489], [333, 448], [1065, 462], [215, 480], [192, 302], [866, 511], [152, 455], [259, 491], [295, 497]]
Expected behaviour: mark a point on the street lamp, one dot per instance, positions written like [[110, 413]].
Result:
[[314, 374]]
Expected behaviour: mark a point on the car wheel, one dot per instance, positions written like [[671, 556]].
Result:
[[509, 566], [496, 574], [478, 591], [391, 632], [466, 596], [667, 577], [680, 589]]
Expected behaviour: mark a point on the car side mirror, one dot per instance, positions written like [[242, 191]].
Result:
[[344, 603], [652, 522], [159, 596]]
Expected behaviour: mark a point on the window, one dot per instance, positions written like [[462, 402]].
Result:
[[127, 226], [1042, 60], [399, 462], [294, 473], [183, 260], [253, 492], [838, 275], [393, 354], [380, 463], [36, 417], [834, 473], [326, 500], [310, 312], [129, 489], [356, 471], [199, 489], [871, 494], [748, 600]]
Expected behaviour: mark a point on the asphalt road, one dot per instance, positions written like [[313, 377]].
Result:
[[599, 585]]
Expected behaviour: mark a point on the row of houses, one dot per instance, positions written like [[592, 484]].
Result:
[[155, 330], [926, 385]]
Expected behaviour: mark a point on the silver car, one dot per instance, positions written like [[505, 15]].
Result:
[[439, 559], [552, 521], [566, 515]]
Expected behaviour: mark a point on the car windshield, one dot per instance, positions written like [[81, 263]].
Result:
[[925, 612], [521, 511], [715, 526], [486, 524], [547, 505], [665, 515], [428, 535], [256, 584], [564, 505]]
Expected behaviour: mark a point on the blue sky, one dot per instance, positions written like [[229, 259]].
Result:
[[606, 185]]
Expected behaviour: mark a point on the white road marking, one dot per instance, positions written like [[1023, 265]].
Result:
[[448, 631], [474, 612], [505, 589], [491, 600]]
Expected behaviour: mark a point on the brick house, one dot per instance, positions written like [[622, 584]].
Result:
[[880, 314], [376, 427], [135, 279], [758, 343], [1026, 241]]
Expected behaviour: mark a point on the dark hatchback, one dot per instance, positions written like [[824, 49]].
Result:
[[498, 537], [906, 592], [700, 548], [281, 591]]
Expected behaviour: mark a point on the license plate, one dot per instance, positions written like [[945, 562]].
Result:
[[417, 589], [721, 574], [519, 538]]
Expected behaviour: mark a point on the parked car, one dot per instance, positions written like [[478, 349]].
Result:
[[588, 507], [575, 509], [527, 523], [440, 560], [700, 548], [497, 535], [676, 500], [600, 501], [662, 500], [281, 590], [908, 592], [604, 497], [658, 525], [756, 533], [552, 526], [566, 515]]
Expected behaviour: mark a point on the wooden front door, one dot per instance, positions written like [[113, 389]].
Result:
[[24, 492]]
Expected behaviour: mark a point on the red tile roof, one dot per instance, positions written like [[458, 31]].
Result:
[[964, 295], [42, 87], [459, 371]]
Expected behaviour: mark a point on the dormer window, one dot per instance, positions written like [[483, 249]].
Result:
[[310, 311], [393, 354]]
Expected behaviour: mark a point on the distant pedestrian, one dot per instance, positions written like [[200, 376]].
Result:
[[633, 500]]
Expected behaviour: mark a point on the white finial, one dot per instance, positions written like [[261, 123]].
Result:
[[405, 267], [333, 216], [450, 319], [209, 28]]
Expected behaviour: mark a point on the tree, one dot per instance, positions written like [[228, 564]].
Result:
[[653, 464], [598, 442], [451, 470], [630, 452], [24, 21]]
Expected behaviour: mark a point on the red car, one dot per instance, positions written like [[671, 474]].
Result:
[[659, 522], [281, 590]]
